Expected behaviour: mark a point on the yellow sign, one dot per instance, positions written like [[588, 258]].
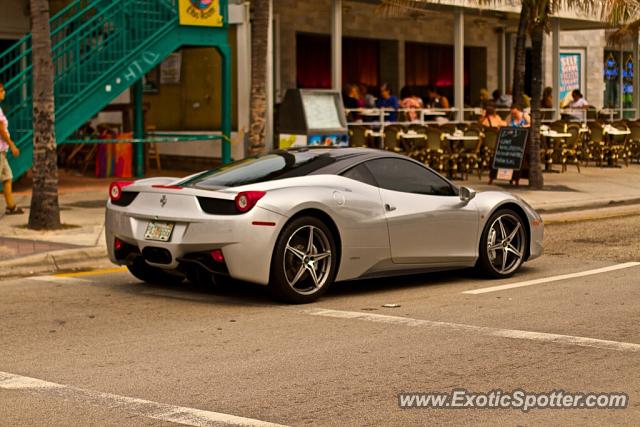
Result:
[[200, 12]]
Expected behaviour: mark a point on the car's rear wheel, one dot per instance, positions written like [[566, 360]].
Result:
[[143, 271], [304, 261], [503, 244]]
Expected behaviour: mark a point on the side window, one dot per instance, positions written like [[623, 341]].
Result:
[[408, 177], [360, 173]]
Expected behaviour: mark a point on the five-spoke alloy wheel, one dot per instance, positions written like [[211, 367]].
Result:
[[304, 261], [503, 244]]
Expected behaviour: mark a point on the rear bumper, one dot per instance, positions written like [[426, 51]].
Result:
[[247, 247]]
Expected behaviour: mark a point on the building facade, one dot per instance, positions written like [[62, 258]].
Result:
[[456, 46]]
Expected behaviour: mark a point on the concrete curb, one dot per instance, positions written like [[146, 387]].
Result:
[[588, 205], [53, 262]]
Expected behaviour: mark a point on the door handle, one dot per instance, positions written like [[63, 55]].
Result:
[[389, 208]]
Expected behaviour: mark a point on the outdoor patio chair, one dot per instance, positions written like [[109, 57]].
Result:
[[418, 148], [596, 148], [418, 128], [437, 156], [392, 138], [634, 141], [473, 129], [572, 148], [448, 127], [619, 148], [489, 143], [469, 154], [357, 137], [553, 147]]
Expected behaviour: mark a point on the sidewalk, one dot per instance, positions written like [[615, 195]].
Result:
[[593, 187], [80, 244]]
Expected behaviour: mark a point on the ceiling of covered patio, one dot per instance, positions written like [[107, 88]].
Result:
[[506, 11]]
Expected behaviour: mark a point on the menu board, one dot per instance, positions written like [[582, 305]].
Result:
[[510, 148], [321, 111]]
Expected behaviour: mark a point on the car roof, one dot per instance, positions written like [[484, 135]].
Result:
[[346, 157]]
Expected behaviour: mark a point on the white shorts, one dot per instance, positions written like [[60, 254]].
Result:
[[5, 170]]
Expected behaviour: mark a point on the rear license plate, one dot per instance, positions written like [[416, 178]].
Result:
[[160, 231]]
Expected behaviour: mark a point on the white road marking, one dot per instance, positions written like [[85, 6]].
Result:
[[61, 280], [480, 330], [145, 408], [552, 278]]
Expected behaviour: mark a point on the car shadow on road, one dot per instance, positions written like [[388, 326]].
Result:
[[245, 294], [236, 293], [441, 278], [391, 283]]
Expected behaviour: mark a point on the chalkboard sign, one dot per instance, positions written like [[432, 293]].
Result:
[[510, 148]]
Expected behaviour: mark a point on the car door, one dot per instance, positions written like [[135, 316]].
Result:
[[427, 221]]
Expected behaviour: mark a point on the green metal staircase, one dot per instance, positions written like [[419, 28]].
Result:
[[99, 49]]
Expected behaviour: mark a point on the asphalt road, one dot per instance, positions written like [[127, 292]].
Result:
[[104, 349]]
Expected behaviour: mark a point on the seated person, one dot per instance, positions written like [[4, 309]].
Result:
[[502, 101], [518, 118], [387, 100], [435, 100], [411, 102], [490, 118], [350, 100], [577, 103]]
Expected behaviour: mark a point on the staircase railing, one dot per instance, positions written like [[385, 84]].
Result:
[[91, 41]]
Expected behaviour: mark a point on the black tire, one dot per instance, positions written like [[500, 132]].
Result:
[[304, 289], [156, 276], [490, 262]]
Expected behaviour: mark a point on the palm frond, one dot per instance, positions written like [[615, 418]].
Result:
[[624, 14], [396, 8], [624, 34]]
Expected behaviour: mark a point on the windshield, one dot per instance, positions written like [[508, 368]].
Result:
[[268, 167]]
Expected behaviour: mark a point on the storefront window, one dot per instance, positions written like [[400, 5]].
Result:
[[618, 65]]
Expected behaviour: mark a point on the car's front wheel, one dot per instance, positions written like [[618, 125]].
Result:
[[143, 271], [304, 261], [503, 244]]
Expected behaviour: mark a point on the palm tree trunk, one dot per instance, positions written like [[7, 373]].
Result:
[[45, 212], [519, 59], [536, 179], [259, 51]]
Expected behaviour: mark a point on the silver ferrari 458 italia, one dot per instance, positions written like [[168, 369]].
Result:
[[300, 219]]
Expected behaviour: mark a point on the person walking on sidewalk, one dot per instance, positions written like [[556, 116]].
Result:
[[7, 144]]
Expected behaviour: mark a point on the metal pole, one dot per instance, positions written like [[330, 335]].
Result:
[[555, 48], [621, 67], [636, 78], [401, 63], [269, 128], [336, 45], [138, 127], [243, 37], [458, 40], [502, 60], [225, 53]]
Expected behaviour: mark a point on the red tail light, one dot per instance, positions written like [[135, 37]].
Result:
[[117, 244], [246, 200], [115, 189], [217, 256], [167, 187]]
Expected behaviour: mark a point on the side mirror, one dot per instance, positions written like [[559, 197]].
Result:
[[467, 194]]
